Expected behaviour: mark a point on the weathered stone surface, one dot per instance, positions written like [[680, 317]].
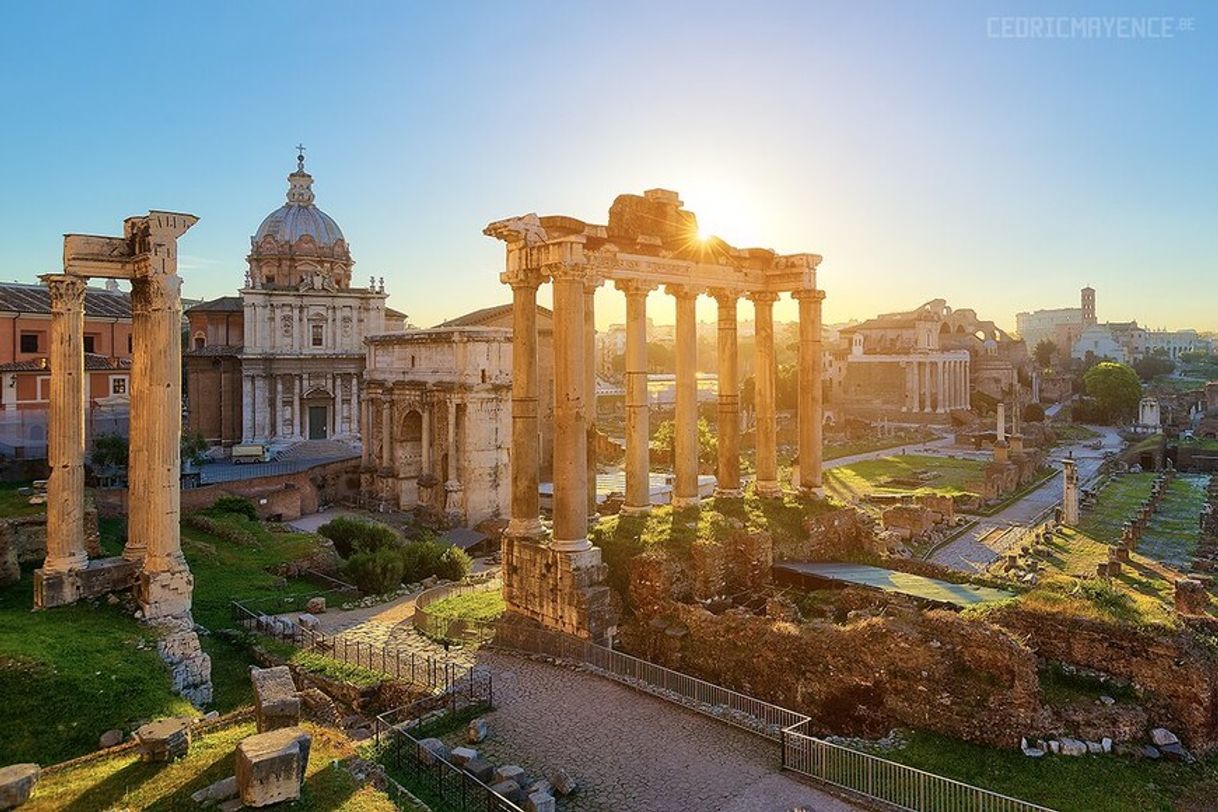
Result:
[[1073, 747], [560, 590], [463, 755], [163, 740], [540, 802], [98, 577], [110, 738], [1191, 597], [309, 621], [562, 781], [271, 766], [476, 730], [189, 667], [276, 701], [16, 783], [316, 606], [1162, 736], [432, 749], [480, 769], [509, 772], [510, 790], [220, 791]]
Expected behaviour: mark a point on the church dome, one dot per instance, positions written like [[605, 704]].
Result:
[[299, 217]]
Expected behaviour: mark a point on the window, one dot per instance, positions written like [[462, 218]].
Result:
[[118, 384], [318, 335], [89, 344], [29, 342], [200, 341]]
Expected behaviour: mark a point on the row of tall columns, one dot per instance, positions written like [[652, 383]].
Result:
[[936, 385], [269, 422]]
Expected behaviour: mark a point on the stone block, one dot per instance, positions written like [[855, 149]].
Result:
[[510, 790], [540, 802], [111, 738], [432, 750], [271, 766], [463, 755], [163, 740], [216, 793], [1072, 747], [476, 731], [276, 701], [16, 783], [165, 593], [562, 781], [509, 772], [308, 621], [1161, 736], [482, 770], [1191, 597], [316, 606]]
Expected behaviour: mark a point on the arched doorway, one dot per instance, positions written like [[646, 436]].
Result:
[[316, 406], [409, 458]]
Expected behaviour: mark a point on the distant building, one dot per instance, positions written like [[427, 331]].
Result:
[[1099, 341], [1063, 325]]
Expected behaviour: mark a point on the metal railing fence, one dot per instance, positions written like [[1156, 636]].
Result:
[[450, 628]]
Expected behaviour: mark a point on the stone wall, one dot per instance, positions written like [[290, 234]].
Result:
[[23, 540], [323, 484], [934, 670], [833, 535], [1175, 673], [561, 591]]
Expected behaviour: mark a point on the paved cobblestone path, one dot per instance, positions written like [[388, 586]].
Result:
[[630, 751]]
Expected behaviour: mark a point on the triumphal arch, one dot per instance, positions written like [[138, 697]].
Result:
[[650, 242], [152, 561]]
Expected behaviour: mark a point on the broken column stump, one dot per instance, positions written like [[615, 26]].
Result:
[[271, 766], [276, 701], [164, 739]]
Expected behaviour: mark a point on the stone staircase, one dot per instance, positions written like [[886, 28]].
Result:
[[316, 450]]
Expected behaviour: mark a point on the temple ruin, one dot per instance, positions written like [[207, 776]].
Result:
[[650, 241], [152, 560]]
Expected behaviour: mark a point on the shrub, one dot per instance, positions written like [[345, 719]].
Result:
[[235, 504], [376, 572], [109, 450], [421, 559], [454, 564], [351, 535]]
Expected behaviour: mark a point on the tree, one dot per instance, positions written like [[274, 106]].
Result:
[[1044, 352], [1116, 389], [109, 451], [1152, 366], [660, 358], [665, 439]]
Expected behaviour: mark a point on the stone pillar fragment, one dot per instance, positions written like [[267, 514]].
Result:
[[570, 416], [811, 419], [1070, 493], [764, 376], [638, 458], [525, 521], [685, 419], [590, 286], [66, 434], [728, 469]]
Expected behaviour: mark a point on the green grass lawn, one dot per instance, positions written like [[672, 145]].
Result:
[[123, 782], [1173, 533], [1081, 784], [1072, 433], [477, 606], [862, 479], [848, 448], [92, 676], [1115, 504], [13, 504]]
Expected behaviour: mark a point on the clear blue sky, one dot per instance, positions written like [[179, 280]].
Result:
[[920, 155]]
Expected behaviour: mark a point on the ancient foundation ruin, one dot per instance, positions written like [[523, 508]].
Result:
[[152, 561], [650, 241]]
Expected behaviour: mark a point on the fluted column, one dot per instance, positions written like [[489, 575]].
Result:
[[279, 427], [764, 377], [728, 468], [366, 445], [927, 405], [570, 415], [638, 460], [354, 422], [66, 435], [425, 409], [525, 521], [811, 421], [590, 286], [247, 406], [453, 485], [685, 418], [386, 430], [298, 429]]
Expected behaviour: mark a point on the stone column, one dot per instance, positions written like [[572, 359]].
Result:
[[638, 458], [685, 418], [811, 419], [1069, 493], [366, 445], [166, 583], [570, 417], [297, 418], [1001, 427], [279, 427], [425, 409], [764, 377], [927, 405], [354, 425], [525, 521], [590, 286], [386, 430], [728, 469], [910, 394], [247, 406], [454, 482], [336, 383], [66, 429], [966, 382], [941, 406]]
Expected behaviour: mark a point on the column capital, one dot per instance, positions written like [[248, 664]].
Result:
[[635, 287], [67, 292], [813, 294], [764, 297], [592, 281], [150, 294], [522, 278], [724, 296], [682, 291], [566, 271]]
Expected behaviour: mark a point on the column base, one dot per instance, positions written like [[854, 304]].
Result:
[[570, 545], [813, 490], [728, 493], [683, 502], [635, 510], [101, 576], [69, 563], [769, 490], [525, 528], [164, 593]]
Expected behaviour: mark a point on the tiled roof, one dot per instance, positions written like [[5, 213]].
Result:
[[93, 363], [225, 304], [19, 297], [479, 317]]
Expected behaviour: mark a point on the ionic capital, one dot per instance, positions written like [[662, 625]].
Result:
[[682, 291], [635, 287], [67, 292]]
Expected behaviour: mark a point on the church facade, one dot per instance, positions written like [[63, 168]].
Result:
[[293, 367]]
